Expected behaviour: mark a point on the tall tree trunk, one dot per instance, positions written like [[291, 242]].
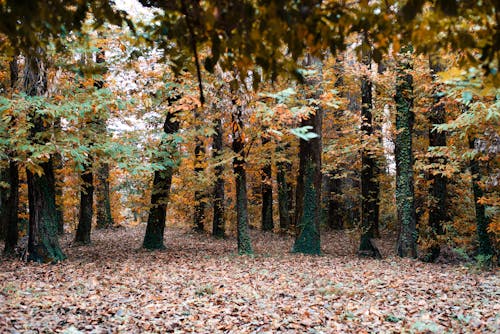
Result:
[[43, 243], [482, 221], [405, 194], [334, 184], [438, 213], [9, 217], [267, 193], [284, 169], [153, 239], [86, 207], [104, 217], [369, 184], [308, 200], [199, 195], [239, 167], [218, 226]]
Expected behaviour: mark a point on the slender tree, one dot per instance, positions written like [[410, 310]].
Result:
[[438, 213], [369, 183], [199, 195], [103, 205], [284, 168], [267, 192], [405, 194], [10, 202], [218, 225], [485, 248], [43, 244], [153, 239], [239, 167]]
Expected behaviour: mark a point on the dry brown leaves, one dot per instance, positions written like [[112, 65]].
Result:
[[199, 285]]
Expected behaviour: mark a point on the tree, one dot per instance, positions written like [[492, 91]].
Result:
[[438, 213], [369, 183], [285, 191], [267, 191], [153, 239], [239, 168], [43, 244], [308, 194], [405, 197], [218, 225]]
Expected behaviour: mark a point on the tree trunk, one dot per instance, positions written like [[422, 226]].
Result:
[[199, 195], [9, 216], [218, 225], [239, 167], [104, 217], [405, 195], [335, 220], [438, 213], [43, 244], [58, 165], [284, 168], [369, 183], [267, 193], [485, 248], [86, 207], [153, 239], [308, 200]]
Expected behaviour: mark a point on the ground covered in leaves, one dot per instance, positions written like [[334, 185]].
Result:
[[199, 284]]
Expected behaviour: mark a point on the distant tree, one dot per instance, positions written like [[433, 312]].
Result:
[[218, 225], [266, 191]]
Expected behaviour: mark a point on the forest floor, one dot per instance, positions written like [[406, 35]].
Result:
[[199, 284]]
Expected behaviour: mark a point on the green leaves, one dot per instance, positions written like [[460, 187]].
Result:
[[304, 133]]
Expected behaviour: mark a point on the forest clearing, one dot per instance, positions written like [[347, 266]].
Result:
[[250, 166], [201, 285]]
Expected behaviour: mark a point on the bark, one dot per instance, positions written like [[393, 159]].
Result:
[[218, 225], [284, 169], [369, 183], [308, 199], [334, 185], [9, 216], [405, 195], [43, 243], [104, 217], [86, 207], [267, 193], [153, 239], [239, 167], [438, 213], [199, 196], [58, 165], [485, 248]]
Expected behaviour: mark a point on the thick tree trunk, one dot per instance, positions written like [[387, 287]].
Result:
[[86, 207], [218, 225], [405, 195], [438, 213], [153, 239], [9, 216], [239, 167], [369, 183], [199, 195], [43, 244], [267, 193], [308, 199], [284, 169], [485, 248], [104, 217]]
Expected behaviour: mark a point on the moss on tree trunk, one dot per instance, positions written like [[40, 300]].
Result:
[[243, 234], [405, 196]]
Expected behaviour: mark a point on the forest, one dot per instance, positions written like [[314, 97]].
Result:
[[249, 166]]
